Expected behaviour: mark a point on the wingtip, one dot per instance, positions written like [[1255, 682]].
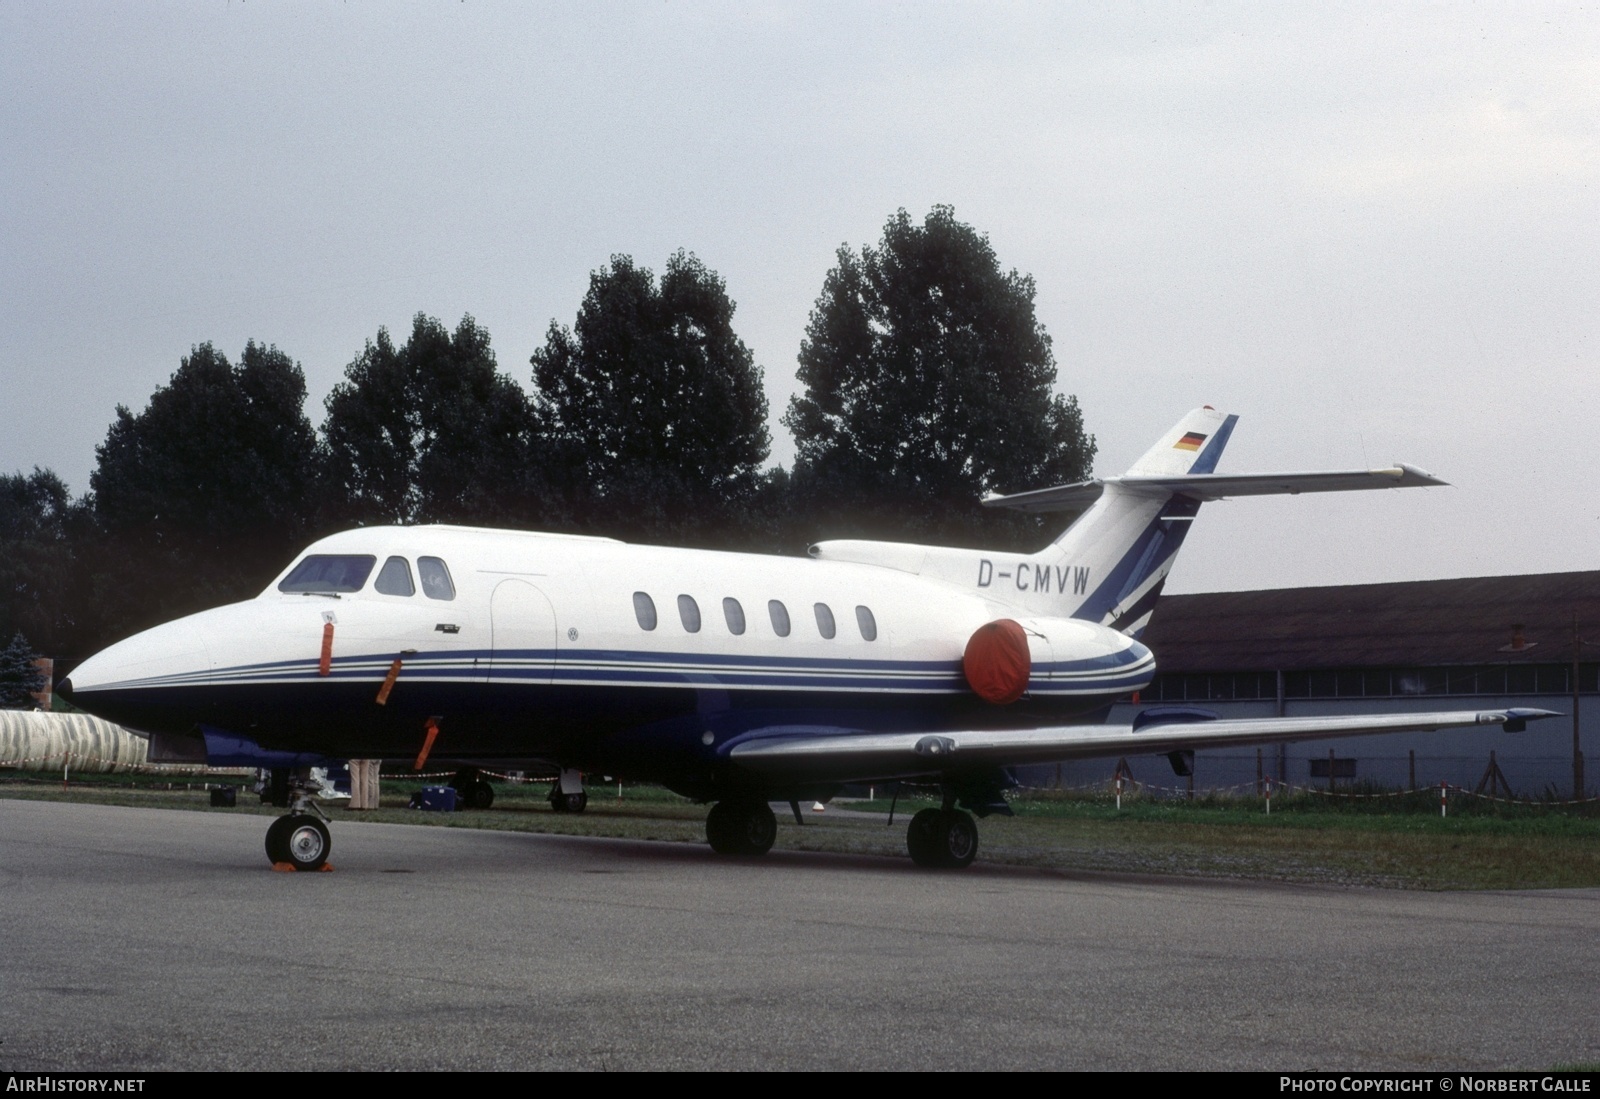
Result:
[[1413, 475]]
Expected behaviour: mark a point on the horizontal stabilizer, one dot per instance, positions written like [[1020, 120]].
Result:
[[1216, 486], [815, 754]]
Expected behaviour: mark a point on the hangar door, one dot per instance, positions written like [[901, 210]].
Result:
[[524, 631]]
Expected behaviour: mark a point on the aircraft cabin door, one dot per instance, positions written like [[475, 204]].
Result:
[[523, 624]]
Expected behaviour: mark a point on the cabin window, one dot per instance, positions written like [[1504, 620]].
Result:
[[734, 613], [644, 609], [780, 617], [436, 583], [867, 624], [689, 613], [395, 578], [825, 624], [329, 572]]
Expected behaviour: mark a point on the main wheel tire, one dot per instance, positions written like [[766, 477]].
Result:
[[722, 829], [760, 830], [945, 839], [922, 838], [737, 827], [478, 795], [958, 839]]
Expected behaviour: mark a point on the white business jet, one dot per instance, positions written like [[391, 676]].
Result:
[[736, 679]]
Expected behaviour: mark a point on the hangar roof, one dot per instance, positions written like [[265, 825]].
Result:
[[1422, 623]]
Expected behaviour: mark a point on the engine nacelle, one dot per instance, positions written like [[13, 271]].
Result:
[[997, 663], [1006, 658]]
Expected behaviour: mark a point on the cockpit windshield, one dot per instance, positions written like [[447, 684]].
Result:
[[329, 572]]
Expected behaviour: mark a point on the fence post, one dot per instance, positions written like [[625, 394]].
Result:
[[1443, 789]]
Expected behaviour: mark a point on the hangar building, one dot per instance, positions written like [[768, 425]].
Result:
[[1429, 645]]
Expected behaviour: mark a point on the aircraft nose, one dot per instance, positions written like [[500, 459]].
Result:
[[166, 655]]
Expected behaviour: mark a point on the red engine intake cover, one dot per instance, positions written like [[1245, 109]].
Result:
[[996, 662]]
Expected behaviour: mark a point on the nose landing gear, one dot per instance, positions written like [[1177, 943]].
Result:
[[299, 840]]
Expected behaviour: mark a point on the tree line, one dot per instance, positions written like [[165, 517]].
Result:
[[928, 381]]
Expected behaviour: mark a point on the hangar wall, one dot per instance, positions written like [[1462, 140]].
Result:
[[1474, 643], [1534, 762]]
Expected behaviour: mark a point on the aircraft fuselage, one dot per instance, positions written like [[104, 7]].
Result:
[[536, 647]]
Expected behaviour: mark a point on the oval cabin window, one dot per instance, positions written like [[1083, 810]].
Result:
[[689, 613], [780, 617], [867, 624], [825, 624], [734, 613], [644, 609]]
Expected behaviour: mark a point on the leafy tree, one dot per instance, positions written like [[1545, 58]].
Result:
[[206, 493], [654, 404], [20, 677], [42, 532], [927, 384], [431, 431]]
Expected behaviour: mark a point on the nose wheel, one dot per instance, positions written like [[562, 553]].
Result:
[[300, 840], [945, 839]]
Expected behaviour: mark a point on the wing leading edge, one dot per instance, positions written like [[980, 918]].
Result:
[[843, 756]]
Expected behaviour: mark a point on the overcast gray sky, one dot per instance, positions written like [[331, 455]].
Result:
[[1372, 232]]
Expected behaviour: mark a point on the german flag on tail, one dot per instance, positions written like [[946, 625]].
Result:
[[1190, 441]]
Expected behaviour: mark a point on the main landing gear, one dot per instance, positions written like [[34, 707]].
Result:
[[741, 826], [942, 839], [300, 840]]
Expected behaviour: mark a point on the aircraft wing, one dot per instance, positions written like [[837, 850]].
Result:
[[837, 755]]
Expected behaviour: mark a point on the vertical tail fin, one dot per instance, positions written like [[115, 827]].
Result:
[[1133, 536], [1127, 539], [1192, 446]]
